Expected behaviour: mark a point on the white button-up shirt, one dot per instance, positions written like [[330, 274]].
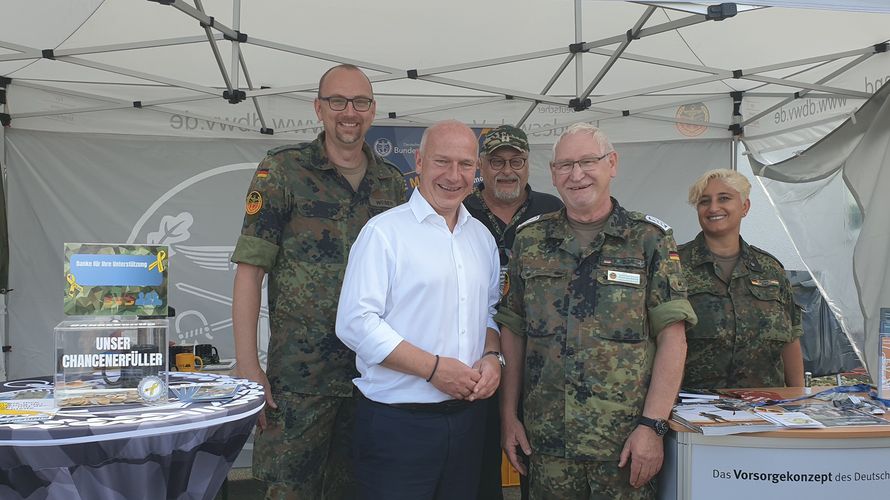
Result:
[[410, 278]]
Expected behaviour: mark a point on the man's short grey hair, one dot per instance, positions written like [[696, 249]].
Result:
[[586, 128]]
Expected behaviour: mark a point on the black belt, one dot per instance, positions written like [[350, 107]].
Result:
[[446, 407]]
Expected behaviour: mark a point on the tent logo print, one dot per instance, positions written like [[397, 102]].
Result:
[[696, 111]]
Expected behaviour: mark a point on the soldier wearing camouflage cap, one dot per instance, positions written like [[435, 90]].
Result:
[[593, 329], [305, 206], [749, 328], [503, 201]]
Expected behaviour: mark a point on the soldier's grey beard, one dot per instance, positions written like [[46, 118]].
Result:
[[507, 195]]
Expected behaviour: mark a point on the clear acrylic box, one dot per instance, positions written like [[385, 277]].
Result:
[[111, 361]]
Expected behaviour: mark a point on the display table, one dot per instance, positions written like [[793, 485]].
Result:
[[127, 451], [831, 463]]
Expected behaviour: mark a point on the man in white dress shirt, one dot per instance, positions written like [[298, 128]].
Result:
[[416, 306]]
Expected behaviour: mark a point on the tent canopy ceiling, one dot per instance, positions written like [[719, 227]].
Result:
[[477, 61]]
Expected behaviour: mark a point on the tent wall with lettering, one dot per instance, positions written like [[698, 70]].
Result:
[[142, 120]]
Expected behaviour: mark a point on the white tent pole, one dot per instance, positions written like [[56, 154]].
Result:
[[215, 49], [579, 36], [138, 74], [798, 95], [550, 83], [809, 86], [631, 35], [236, 45], [256, 102]]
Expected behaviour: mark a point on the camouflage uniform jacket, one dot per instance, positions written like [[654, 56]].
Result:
[[302, 217], [742, 326], [590, 317]]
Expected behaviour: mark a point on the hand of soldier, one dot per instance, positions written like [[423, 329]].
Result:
[[513, 437], [490, 371], [645, 450], [259, 376], [455, 378]]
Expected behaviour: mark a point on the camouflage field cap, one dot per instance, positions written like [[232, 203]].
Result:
[[505, 135]]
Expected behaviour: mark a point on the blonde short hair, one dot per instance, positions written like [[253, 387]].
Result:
[[731, 178]]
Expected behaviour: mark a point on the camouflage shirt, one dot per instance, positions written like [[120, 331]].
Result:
[[590, 317], [743, 326], [301, 218]]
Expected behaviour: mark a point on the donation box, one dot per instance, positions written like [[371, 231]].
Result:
[[110, 361]]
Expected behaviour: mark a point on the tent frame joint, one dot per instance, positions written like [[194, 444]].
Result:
[[721, 11], [578, 105], [267, 131], [5, 119], [48, 54], [239, 37], [208, 24], [881, 47], [235, 96]]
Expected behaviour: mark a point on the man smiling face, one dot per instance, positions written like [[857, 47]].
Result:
[[345, 128], [446, 165]]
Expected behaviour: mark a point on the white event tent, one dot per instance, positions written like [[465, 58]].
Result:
[[142, 121]]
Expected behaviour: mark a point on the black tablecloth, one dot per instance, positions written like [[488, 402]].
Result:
[[127, 452]]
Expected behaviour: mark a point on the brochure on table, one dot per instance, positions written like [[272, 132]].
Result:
[[114, 348]]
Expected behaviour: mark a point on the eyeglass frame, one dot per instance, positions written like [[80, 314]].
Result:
[[347, 102], [594, 161], [506, 162]]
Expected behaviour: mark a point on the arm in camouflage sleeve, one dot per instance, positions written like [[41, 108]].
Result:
[[792, 355], [246, 297]]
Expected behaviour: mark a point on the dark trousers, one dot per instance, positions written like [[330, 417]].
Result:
[[490, 477], [415, 454]]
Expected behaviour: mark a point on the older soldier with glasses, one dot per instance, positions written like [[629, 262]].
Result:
[[503, 201], [305, 207], [593, 331]]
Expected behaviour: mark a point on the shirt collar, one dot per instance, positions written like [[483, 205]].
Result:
[[422, 209]]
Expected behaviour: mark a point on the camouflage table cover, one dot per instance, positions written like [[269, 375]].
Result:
[[127, 451]]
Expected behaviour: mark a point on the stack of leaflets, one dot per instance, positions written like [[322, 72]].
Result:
[[720, 419], [14, 411], [790, 419], [688, 396], [199, 393]]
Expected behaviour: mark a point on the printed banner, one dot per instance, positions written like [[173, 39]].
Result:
[[115, 280]]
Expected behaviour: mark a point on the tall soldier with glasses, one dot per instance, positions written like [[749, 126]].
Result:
[[501, 202], [593, 332], [305, 206]]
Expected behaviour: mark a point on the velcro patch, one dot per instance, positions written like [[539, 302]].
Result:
[[658, 222]]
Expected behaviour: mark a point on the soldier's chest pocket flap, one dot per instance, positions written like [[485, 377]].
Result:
[[322, 209], [530, 273], [766, 289]]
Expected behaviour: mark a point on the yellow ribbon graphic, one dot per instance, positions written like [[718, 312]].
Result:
[[159, 262], [74, 288]]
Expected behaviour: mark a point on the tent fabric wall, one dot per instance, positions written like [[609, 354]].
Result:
[[856, 156]]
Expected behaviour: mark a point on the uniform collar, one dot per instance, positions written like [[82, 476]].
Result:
[[376, 166], [617, 224], [701, 254]]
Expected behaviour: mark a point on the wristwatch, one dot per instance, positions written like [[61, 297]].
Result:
[[501, 360], [660, 426]]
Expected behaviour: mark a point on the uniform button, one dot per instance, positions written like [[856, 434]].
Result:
[[570, 351], [577, 273], [463, 299]]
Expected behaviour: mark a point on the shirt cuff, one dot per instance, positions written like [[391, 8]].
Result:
[[378, 344], [255, 251], [669, 313]]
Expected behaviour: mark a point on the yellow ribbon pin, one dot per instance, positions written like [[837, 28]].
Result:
[[159, 262], [74, 288]]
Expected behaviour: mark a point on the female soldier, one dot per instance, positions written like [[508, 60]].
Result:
[[749, 329]]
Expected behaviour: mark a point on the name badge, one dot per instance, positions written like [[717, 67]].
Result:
[[381, 203], [622, 277]]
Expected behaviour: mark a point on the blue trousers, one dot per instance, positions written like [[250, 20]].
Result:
[[415, 455]]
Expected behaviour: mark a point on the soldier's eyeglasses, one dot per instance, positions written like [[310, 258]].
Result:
[[338, 103], [516, 163], [588, 163]]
